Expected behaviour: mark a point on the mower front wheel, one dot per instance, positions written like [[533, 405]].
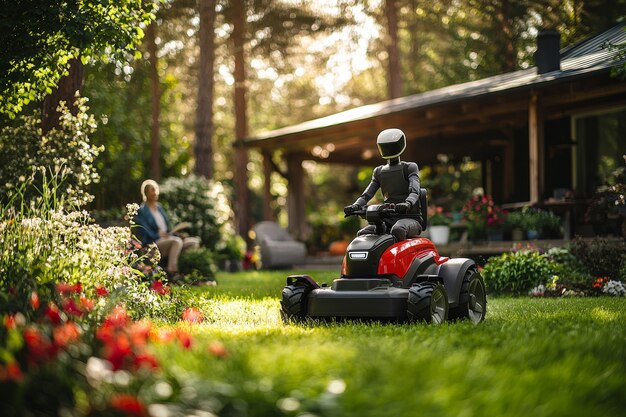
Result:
[[427, 302], [293, 304], [472, 299]]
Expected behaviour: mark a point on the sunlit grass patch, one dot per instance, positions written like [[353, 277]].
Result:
[[531, 356]]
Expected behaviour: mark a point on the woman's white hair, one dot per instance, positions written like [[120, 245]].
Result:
[[146, 183]]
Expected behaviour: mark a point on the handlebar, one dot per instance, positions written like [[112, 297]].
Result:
[[383, 210]]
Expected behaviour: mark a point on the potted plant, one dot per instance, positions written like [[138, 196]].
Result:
[[439, 226], [516, 222], [483, 215], [540, 223]]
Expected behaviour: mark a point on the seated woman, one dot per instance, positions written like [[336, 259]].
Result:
[[154, 226]]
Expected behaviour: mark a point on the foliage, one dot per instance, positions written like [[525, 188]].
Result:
[[600, 256], [119, 94], [450, 184], [199, 262], [570, 271], [545, 222], [29, 159], [39, 42], [609, 198], [204, 204], [481, 212], [516, 273], [43, 245], [439, 217]]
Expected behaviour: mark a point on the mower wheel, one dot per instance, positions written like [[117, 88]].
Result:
[[472, 299], [294, 302], [427, 302]]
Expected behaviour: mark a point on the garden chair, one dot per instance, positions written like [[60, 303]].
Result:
[[278, 248]]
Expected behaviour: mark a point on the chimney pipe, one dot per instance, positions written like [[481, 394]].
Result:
[[548, 57]]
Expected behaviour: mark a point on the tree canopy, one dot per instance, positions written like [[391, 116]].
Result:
[[39, 39]]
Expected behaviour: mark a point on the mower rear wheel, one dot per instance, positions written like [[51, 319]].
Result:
[[427, 302], [294, 302], [472, 299]]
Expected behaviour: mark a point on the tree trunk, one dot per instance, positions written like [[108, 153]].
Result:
[[509, 61], [241, 122], [155, 142], [395, 80], [65, 91], [204, 111]]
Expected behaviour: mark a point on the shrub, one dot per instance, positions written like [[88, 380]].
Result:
[[204, 204], [571, 273], [516, 273], [44, 245], [600, 256], [198, 262], [28, 159]]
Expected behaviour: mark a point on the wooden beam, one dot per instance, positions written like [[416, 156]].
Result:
[[267, 186], [295, 197], [535, 147]]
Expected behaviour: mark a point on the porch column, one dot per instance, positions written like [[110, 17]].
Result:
[[535, 143], [295, 196], [267, 195]]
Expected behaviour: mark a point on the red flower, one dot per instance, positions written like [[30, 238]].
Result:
[[11, 372], [52, 312], [192, 315], [600, 282], [40, 348], [128, 404], [184, 338], [218, 350], [140, 332], [11, 321], [117, 318], [69, 305], [34, 300], [145, 360], [101, 291], [159, 288], [65, 289], [87, 304], [64, 334]]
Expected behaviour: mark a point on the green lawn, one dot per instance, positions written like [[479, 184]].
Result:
[[531, 357]]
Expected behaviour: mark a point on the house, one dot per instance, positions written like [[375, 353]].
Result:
[[538, 132]]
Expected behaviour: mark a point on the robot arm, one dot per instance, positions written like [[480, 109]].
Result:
[[370, 190], [414, 184]]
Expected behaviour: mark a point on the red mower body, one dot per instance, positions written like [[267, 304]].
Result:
[[397, 259]]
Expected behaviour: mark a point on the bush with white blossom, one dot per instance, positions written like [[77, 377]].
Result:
[[29, 158]]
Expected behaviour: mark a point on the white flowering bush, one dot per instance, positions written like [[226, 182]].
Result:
[[29, 158], [615, 288], [205, 204], [43, 246]]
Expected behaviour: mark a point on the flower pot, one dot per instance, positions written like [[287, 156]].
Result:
[[517, 234], [439, 235], [532, 234]]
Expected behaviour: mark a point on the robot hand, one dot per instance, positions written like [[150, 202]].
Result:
[[348, 210], [402, 208]]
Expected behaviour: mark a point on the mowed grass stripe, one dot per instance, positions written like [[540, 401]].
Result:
[[538, 357]]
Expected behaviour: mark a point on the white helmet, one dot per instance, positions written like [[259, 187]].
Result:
[[391, 143]]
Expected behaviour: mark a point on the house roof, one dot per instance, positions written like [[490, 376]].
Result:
[[577, 62]]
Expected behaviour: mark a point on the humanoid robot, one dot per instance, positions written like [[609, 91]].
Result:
[[400, 184]]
